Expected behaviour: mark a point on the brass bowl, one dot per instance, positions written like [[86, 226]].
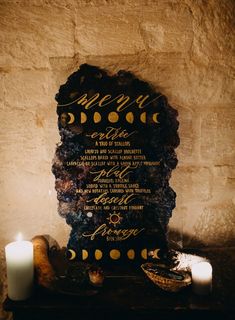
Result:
[[166, 279]]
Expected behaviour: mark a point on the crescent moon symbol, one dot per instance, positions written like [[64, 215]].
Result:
[[73, 254], [113, 117], [155, 117], [155, 254], [72, 118]]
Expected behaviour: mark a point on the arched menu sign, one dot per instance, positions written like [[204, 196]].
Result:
[[113, 164]]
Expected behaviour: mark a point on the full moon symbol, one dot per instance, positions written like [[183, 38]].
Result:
[[115, 254], [113, 117]]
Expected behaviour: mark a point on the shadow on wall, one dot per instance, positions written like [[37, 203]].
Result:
[[180, 241]]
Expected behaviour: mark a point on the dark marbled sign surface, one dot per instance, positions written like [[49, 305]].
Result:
[[113, 165]]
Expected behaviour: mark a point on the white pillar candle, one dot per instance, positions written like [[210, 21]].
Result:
[[20, 269], [202, 278]]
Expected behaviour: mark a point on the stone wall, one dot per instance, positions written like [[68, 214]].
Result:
[[185, 48]]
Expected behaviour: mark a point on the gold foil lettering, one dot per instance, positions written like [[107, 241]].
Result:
[[140, 100], [121, 101], [104, 199], [88, 102], [104, 231], [116, 171], [111, 133], [105, 98], [121, 106]]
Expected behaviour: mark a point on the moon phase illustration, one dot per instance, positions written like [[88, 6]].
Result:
[[97, 117], [113, 117], [98, 254], [155, 119], [83, 117], [154, 254], [71, 118], [130, 117], [144, 254], [73, 254], [84, 254], [115, 254], [143, 117], [131, 254]]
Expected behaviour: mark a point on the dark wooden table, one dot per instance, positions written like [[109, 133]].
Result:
[[135, 297]]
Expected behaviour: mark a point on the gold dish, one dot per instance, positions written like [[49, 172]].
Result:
[[166, 279]]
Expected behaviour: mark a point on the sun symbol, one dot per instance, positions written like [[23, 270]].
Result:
[[114, 218]]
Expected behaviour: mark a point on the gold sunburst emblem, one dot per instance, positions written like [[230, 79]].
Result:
[[114, 218]]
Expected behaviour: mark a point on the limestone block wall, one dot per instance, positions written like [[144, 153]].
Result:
[[185, 48]]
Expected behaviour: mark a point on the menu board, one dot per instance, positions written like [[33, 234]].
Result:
[[113, 164]]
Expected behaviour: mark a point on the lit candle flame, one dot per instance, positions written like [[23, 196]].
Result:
[[19, 237]]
